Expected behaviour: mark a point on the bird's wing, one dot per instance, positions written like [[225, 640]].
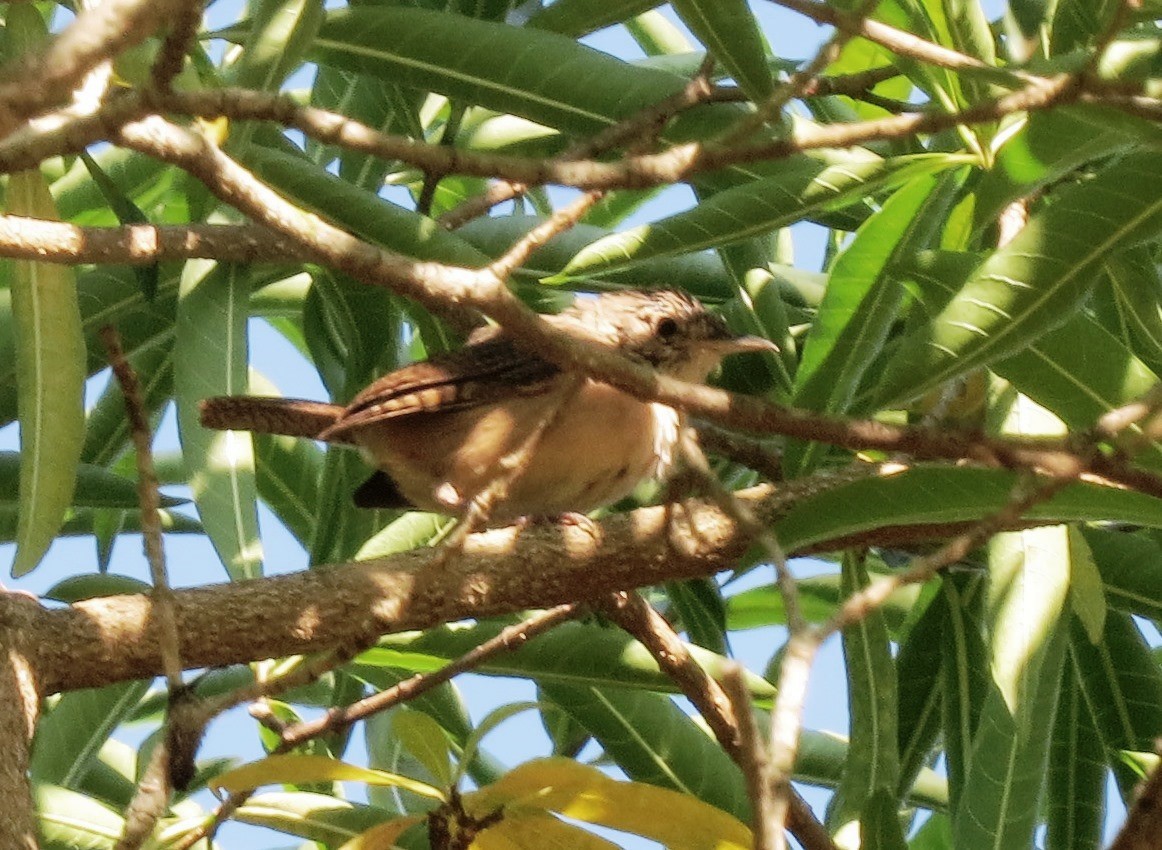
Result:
[[478, 374]]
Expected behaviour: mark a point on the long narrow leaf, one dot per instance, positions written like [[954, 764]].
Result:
[[1034, 283], [50, 377], [211, 359]]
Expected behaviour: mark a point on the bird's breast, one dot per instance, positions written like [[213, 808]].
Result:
[[596, 444]]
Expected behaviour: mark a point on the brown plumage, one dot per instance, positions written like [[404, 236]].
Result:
[[439, 430]]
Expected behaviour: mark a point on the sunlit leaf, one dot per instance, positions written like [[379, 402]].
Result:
[[300, 769], [1035, 282], [584, 793]]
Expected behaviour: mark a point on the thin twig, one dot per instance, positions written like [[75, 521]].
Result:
[[736, 510], [172, 55], [149, 497], [895, 40], [717, 707], [167, 761], [647, 122], [799, 82], [99, 33], [339, 718], [752, 758]]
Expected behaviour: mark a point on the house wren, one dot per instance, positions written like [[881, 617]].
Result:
[[438, 430]]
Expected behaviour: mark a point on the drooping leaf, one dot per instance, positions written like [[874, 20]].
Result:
[[210, 358], [50, 376], [731, 34], [873, 761], [1075, 800]]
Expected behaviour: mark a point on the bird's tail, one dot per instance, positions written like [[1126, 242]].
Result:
[[294, 417]]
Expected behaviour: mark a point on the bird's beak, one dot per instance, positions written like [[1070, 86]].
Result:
[[742, 344]]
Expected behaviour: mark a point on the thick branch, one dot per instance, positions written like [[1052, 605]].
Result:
[[140, 244], [19, 708], [99, 33], [112, 639]]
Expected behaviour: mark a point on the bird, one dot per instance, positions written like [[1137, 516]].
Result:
[[439, 431]]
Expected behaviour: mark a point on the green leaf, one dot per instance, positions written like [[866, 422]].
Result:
[[96, 487], [1138, 289], [578, 653], [1057, 373], [702, 275], [1006, 772], [860, 307], [91, 585], [918, 689], [879, 823], [50, 378], [938, 494], [964, 674], [861, 302], [653, 741], [873, 758], [1131, 569], [68, 820], [800, 189], [210, 358], [1056, 370], [410, 531], [701, 612], [425, 740], [280, 33], [1086, 596], [1075, 23], [587, 91], [1121, 683], [1035, 282], [1029, 577], [1075, 804], [823, 755], [106, 295], [660, 38], [287, 474], [359, 210], [387, 752], [71, 734], [731, 34], [127, 212], [576, 18], [107, 427], [1048, 146], [381, 105], [819, 596]]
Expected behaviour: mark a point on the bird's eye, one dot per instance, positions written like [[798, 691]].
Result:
[[667, 327]]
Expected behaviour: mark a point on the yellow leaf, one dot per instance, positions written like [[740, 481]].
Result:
[[302, 769], [382, 836], [537, 830], [678, 821]]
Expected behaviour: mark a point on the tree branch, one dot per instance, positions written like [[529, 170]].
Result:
[[19, 711]]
